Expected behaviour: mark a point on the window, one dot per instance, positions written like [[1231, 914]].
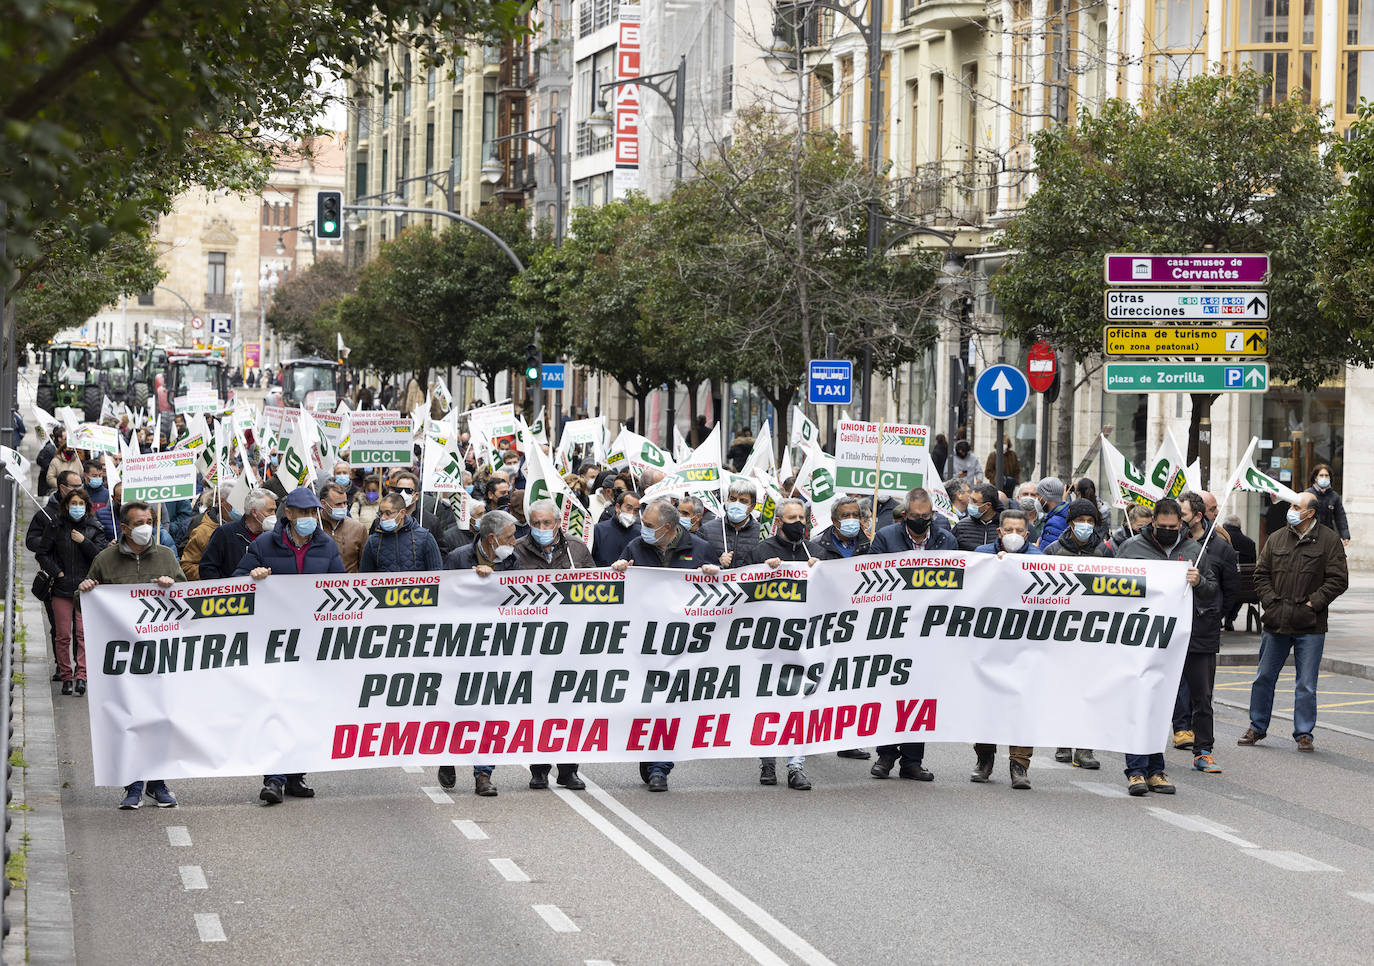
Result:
[[1356, 78], [970, 114], [914, 120], [488, 125], [433, 83], [386, 100], [847, 98], [405, 85], [218, 263], [145, 298], [382, 183], [360, 179], [429, 146], [456, 146], [938, 80], [1176, 40], [1278, 38]]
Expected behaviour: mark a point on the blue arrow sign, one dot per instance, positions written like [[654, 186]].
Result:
[[553, 375], [1001, 391], [830, 382]]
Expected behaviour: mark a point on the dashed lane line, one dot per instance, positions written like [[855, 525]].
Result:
[[1103, 789], [1197, 823], [509, 870], [1290, 861], [192, 877], [469, 828], [436, 795], [179, 836], [413, 769], [1362, 896], [556, 918], [209, 927]]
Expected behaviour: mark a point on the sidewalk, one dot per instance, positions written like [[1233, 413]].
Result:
[[1349, 642]]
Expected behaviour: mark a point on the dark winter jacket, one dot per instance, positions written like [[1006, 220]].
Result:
[[409, 547], [446, 535], [58, 553], [225, 549], [972, 534], [827, 545], [1221, 561], [686, 552], [1054, 523], [562, 554], [1293, 571], [1246, 551], [270, 550], [118, 564], [1331, 511], [609, 539], [103, 504], [741, 541], [1068, 546], [42, 460], [1030, 549], [894, 539], [465, 558], [38, 524], [1143, 546], [777, 546]]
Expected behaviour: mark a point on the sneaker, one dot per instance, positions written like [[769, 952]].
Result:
[[133, 796], [1063, 755], [1204, 762], [1019, 779], [448, 776], [856, 753], [1135, 784], [797, 780], [271, 792], [161, 794], [481, 785], [1251, 737], [1183, 739], [1083, 758], [1160, 783], [768, 773], [1305, 743], [882, 767]]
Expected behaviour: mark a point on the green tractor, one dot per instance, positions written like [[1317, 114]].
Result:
[[71, 377]]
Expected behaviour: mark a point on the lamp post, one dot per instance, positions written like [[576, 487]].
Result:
[[309, 229], [872, 34], [550, 138], [267, 285], [671, 85], [237, 291]]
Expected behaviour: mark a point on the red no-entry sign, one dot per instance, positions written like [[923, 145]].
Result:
[[1040, 366]]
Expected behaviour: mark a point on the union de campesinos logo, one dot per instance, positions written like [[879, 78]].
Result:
[[730, 591], [342, 600], [599, 592], [160, 609], [910, 578], [1047, 584]]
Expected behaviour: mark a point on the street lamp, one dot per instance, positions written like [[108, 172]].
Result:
[[267, 286], [550, 138], [309, 229], [237, 290], [872, 33], [492, 169], [671, 85]]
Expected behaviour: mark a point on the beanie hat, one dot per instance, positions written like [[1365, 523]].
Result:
[[1083, 508], [1050, 490]]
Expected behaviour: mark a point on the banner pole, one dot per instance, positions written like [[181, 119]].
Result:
[[877, 474]]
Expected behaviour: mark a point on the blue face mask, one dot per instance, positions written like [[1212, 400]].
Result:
[[341, 479], [686, 522], [1294, 517], [235, 514], [648, 534], [543, 537], [96, 482], [338, 512], [77, 511], [974, 511], [849, 528], [388, 524], [736, 512], [305, 526], [1083, 532]]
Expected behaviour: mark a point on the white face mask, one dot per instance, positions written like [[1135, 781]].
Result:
[[1323, 482], [503, 552], [408, 499], [269, 523], [142, 535], [626, 519], [1013, 542]]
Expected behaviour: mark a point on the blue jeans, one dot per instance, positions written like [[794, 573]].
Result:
[[483, 770], [660, 767], [1145, 765], [281, 779], [796, 761], [1307, 660]]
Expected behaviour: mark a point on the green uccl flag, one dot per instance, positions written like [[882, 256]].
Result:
[[296, 462], [544, 483]]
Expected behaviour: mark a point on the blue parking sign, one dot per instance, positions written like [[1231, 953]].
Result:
[[1233, 376], [830, 382]]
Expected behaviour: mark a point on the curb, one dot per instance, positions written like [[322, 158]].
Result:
[[1331, 665]]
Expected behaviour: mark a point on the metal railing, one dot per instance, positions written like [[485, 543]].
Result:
[[949, 192]]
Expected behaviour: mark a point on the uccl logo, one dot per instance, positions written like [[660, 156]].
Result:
[[590, 591], [417, 595], [1107, 585], [785, 590], [221, 605]]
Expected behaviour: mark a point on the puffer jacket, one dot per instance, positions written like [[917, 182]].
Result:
[[58, 553], [722, 538], [270, 550], [409, 547], [1293, 571], [1054, 523], [972, 534], [1330, 510]]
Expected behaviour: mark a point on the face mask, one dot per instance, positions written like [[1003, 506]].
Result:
[[793, 532], [648, 534], [1165, 535], [372, 496], [96, 482], [76, 511], [1013, 542], [407, 498], [503, 551], [1323, 482], [1294, 517], [269, 523], [1083, 532], [849, 528], [235, 515], [142, 535], [1029, 504], [388, 524], [341, 480], [686, 522], [975, 510], [627, 520], [338, 512], [503, 503], [736, 512], [917, 526], [305, 526], [542, 537], [272, 460]]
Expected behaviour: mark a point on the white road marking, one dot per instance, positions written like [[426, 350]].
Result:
[[1103, 789], [192, 877], [1196, 823], [413, 769], [509, 870], [1362, 896], [1290, 861], [178, 835], [1339, 729], [436, 795], [469, 828], [714, 914], [1049, 763], [210, 928], [558, 920], [597, 962]]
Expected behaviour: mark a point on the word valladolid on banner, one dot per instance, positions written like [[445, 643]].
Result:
[[319, 673]]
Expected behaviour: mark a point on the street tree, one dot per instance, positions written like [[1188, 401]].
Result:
[[1345, 269], [1205, 165], [305, 307]]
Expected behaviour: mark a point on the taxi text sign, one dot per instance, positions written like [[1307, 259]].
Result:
[[380, 438], [160, 477], [888, 456]]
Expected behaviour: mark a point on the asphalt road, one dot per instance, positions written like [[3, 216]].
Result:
[[1270, 862]]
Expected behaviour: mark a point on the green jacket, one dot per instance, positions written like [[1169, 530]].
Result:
[[117, 564]]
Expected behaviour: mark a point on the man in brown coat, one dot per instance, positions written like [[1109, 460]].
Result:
[[349, 534], [209, 522], [1300, 572]]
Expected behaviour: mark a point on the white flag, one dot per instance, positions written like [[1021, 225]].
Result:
[[1169, 470], [1246, 478], [804, 432], [111, 471], [296, 463], [761, 457], [680, 448], [1125, 482], [46, 422], [542, 482], [939, 497], [639, 453]]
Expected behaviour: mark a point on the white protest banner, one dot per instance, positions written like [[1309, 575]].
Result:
[[331, 672], [804, 431], [379, 437], [860, 448], [698, 473], [333, 427], [638, 453], [1126, 484], [585, 432], [198, 400], [321, 401], [496, 422], [160, 477], [96, 438]]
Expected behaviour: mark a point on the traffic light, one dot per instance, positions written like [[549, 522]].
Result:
[[534, 367], [329, 214]]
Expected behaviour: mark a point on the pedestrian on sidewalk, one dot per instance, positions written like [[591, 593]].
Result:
[[69, 545], [1300, 572], [137, 558], [1330, 509]]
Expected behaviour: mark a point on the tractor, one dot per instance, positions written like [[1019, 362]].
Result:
[[311, 383], [71, 377], [188, 369]]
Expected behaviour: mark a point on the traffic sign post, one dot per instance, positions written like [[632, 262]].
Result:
[[1191, 305], [1205, 268], [1203, 377], [1171, 340], [1041, 367], [553, 375], [830, 382], [1001, 391]]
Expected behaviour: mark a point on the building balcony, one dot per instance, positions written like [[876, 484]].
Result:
[[943, 14], [951, 193]]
